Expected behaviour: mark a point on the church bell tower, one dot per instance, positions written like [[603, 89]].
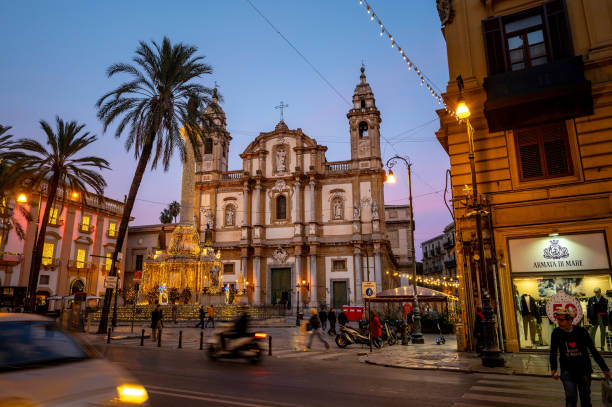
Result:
[[364, 122], [215, 146]]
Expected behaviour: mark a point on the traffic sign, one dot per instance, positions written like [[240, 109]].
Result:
[[110, 282], [368, 289]]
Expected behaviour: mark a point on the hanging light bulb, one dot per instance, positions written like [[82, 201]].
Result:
[[360, 2], [368, 9], [372, 18], [392, 44], [382, 32]]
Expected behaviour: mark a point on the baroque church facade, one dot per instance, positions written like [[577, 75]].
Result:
[[290, 223]]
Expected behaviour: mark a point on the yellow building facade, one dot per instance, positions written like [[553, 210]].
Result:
[[537, 79]]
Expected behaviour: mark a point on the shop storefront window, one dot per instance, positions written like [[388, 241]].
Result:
[[532, 293]]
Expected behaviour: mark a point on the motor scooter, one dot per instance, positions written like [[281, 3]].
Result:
[[348, 336], [246, 347]]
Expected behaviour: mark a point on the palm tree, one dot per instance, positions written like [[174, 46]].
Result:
[[175, 209], [165, 216], [11, 177], [58, 167], [159, 98]]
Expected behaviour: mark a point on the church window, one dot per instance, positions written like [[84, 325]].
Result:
[[208, 145], [281, 207], [48, 253], [362, 103], [339, 265], [230, 215], [363, 129], [228, 268]]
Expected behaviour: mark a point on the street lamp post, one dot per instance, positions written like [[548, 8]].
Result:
[[417, 337], [297, 313], [491, 355]]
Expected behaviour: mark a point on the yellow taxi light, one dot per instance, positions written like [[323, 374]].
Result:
[[132, 393], [261, 335]]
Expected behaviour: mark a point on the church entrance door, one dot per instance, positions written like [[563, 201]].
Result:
[[280, 290], [340, 296]]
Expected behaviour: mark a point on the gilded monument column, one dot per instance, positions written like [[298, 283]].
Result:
[[357, 272], [188, 186]]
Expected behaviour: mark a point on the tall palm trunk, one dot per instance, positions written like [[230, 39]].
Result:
[[125, 219], [40, 242]]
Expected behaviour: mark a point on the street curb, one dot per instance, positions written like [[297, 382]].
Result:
[[466, 371]]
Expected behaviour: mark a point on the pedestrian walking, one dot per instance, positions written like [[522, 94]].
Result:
[[375, 329], [479, 330], [156, 322], [202, 315], [174, 312], [573, 344], [323, 318], [211, 316], [342, 318], [315, 324], [331, 317]]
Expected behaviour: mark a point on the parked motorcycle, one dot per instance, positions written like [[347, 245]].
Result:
[[246, 347], [349, 336], [388, 335]]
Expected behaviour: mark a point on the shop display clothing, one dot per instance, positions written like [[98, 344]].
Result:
[[597, 312], [531, 316]]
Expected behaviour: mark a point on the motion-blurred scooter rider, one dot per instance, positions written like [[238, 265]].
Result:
[[240, 328]]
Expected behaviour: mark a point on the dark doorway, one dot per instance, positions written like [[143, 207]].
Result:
[[280, 287], [340, 296], [77, 287]]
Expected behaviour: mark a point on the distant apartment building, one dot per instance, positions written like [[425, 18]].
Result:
[[79, 241], [439, 259], [398, 232]]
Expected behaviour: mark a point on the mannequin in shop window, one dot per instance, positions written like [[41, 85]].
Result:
[[531, 316], [597, 312]]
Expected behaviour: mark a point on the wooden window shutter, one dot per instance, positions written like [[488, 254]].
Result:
[[529, 154], [494, 45], [554, 139], [559, 29]]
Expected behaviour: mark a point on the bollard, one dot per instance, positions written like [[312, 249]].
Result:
[[142, 338], [180, 339], [109, 334], [159, 331], [269, 345], [201, 340]]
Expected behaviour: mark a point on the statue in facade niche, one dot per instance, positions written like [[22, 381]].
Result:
[[356, 211], [374, 208], [229, 215], [338, 209], [281, 160]]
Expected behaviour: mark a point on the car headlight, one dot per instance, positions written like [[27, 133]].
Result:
[[132, 393]]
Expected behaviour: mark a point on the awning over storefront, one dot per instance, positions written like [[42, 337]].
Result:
[[406, 294]]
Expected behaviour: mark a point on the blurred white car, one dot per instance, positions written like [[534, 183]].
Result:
[[41, 365]]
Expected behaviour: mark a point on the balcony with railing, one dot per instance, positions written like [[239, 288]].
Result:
[[231, 175], [79, 264], [338, 166], [50, 263], [449, 244], [450, 264], [10, 259], [55, 222]]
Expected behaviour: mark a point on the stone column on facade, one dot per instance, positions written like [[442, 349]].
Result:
[[312, 201], [357, 272], [256, 280], [378, 270], [313, 279], [298, 275], [297, 202], [244, 260], [257, 210], [67, 242], [245, 219]]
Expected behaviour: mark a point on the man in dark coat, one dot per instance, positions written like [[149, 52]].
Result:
[[202, 315], [342, 318], [156, 322], [323, 318], [331, 317]]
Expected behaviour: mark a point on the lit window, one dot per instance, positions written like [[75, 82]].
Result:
[[81, 255], [112, 229], [86, 224], [48, 252], [108, 261], [53, 216]]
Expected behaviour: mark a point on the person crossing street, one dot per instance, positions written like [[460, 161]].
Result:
[[315, 323], [211, 316], [331, 317]]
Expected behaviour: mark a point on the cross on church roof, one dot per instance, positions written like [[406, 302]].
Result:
[[281, 107]]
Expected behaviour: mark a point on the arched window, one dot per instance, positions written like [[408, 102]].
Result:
[[77, 286], [230, 215], [281, 207], [337, 209], [208, 145], [363, 129], [362, 103]]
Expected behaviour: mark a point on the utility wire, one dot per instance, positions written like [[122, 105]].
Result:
[[299, 53]]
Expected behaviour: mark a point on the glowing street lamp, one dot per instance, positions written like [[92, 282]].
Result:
[[22, 198], [390, 178]]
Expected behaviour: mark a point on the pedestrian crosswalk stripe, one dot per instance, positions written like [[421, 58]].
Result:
[[511, 400], [298, 354], [513, 390]]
